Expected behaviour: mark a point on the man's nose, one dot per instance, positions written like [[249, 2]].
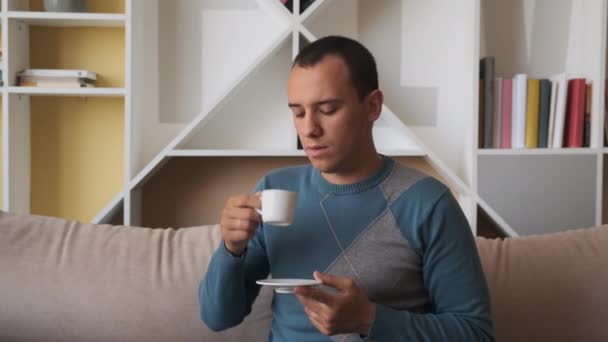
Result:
[[311, 125]]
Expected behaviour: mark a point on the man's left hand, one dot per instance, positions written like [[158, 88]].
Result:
[[347, 311]]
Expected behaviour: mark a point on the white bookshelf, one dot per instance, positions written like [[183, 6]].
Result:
[[275, 153], [68, 19], [546, 189], [85, 92], [111, 209], [207, 79], [231, 119], [17, 20], [237, 153], [538, 151]]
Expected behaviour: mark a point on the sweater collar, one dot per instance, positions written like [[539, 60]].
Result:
[[363, 185]]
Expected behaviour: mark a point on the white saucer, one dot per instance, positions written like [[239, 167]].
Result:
[[287, 285]]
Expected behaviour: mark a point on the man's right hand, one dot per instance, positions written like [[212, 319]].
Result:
[[239, 221]]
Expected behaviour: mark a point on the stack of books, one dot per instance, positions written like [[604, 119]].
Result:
[[56, 78], [525, 112]]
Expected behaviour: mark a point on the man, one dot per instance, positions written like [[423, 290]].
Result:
[[392, 247]]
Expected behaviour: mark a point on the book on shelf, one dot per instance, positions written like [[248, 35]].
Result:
[[518, 116], [505, 113], [576, 113], [486, 73], [52, 84], [532, 106], [480, 116], [587, 124], [58, 73], [496, 130], [48, 78], [552, 110], [544, 110], [560, 109], [55, 79]]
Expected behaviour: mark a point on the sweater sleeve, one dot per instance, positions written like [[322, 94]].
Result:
[[228, 289], [453, 277]]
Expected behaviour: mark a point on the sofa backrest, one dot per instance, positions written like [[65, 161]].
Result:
[[550, 287], [68, 281]]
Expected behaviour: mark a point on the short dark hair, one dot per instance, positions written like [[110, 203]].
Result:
[[358, 59]]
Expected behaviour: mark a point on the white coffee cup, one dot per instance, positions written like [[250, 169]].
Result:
[[278, 207]]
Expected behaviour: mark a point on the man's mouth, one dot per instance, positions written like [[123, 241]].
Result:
[[315, 150]]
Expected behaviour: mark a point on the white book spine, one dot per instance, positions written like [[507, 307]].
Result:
[[552, 106], [560, 110], [497, 110], [518, 119]]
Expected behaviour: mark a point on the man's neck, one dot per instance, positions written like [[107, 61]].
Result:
[[363, 170]]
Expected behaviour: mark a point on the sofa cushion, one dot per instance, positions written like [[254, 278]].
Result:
[[67, 281], [549, 287]]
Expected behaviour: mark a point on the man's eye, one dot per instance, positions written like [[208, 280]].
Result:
[[299, 114], [328, 110]]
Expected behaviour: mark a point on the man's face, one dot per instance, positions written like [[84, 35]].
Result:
[[332, 122]]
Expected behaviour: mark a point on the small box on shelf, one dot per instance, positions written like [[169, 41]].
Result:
[[56, 78]]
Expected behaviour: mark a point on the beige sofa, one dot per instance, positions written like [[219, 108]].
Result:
[[67, 281]]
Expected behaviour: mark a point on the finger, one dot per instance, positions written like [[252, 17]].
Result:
[[339, 283], [318, 322], [243, 214], [316, 294], [240, 225], [237, 236], [311, 304], [245, 201]]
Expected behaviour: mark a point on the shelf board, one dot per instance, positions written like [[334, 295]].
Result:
[[69, 19], [536, 151], [403, 153], [100, 92], [236, 153], [273, 153]]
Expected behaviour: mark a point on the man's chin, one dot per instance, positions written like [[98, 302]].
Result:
[[323, 165]]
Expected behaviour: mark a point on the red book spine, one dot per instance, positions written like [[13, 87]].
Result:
[[576, 112], [506, 113]]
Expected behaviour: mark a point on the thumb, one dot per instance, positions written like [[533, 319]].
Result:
[[336, 282]]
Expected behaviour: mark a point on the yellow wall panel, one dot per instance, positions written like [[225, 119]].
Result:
[[95, 6], [101, 50], [77, 155], [1, 159]]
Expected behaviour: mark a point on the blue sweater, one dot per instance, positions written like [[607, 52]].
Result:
[[400, 235]]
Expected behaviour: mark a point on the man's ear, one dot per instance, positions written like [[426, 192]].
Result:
[[375, 99]]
